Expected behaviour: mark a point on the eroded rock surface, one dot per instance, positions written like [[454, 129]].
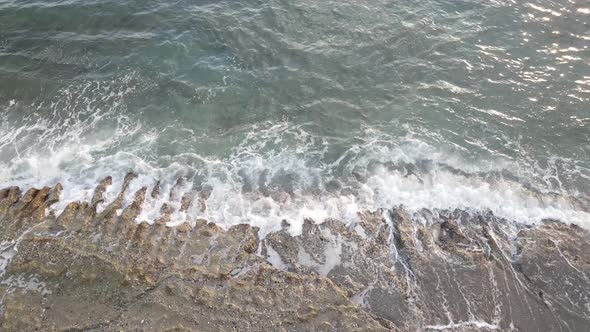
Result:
[[91, 269], [450, 270]]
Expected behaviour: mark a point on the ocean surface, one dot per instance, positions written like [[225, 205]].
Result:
[[272, 110]]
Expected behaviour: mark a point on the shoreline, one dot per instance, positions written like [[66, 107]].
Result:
[[390, 271]]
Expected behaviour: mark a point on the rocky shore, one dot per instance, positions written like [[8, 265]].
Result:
[[90, 269]]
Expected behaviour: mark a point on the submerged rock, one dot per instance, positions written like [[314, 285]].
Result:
[[433, 270]]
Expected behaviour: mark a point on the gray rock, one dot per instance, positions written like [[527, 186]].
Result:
[[451, 270]]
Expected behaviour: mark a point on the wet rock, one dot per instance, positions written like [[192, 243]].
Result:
[[185, 202], [430, 270], [156, 190], [74, 273], [450, 270]]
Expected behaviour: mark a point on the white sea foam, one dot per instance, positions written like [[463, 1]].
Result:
[[278, 171], [263, 190]]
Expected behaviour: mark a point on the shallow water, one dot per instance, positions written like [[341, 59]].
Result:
[[291, 109]]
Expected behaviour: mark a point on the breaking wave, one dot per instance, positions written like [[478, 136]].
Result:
[[262, 187]]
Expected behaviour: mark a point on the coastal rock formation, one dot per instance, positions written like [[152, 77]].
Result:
[[100, 271], [96, 269], [445, 270]]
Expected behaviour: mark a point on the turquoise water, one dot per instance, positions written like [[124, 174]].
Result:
[[291, 109]]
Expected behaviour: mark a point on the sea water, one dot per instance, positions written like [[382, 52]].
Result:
[[285, 110]]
